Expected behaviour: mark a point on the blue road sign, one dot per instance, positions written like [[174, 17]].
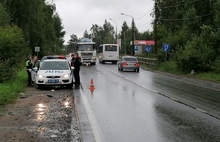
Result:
[[166, 47], [135, 48], [148, 49]]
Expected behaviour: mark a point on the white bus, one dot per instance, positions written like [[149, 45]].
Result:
[[108, 53]]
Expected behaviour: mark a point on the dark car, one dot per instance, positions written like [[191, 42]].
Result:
[[128, 63]]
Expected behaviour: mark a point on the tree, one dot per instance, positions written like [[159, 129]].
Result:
[[192, 29], [13, 51], [71, 47], [86, 34], [39, 22], [4, 16]]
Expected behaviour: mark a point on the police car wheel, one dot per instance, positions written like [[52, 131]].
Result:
[[39, 86], [70, 86]]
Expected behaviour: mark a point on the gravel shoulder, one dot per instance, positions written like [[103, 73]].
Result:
[[41, 116]]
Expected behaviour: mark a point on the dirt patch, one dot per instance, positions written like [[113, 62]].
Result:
[[41, 115]]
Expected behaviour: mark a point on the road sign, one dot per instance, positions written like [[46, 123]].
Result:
[[37, 49], [135, 48], [148, 49], [166, 47]]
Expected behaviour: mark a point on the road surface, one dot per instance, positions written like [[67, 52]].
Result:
[[145, 107]]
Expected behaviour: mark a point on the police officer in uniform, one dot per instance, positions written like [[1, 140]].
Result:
[[29, 68], [76, 64]]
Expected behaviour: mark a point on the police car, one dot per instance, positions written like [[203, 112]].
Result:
[[52, 57], [54, 72]]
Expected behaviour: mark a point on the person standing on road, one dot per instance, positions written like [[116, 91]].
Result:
[[77, 64], [36, 63], [35, 68], [29, 65], [72, 60]]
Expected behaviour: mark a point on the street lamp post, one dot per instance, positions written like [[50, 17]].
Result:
[[132, 32], [125, 42], [116, 30]]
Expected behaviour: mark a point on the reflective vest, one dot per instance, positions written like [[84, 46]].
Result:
[[28, 64]]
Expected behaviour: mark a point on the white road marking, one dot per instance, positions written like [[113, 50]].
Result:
[[92, 119], [203, 111]]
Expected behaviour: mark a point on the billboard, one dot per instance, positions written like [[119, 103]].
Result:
[[144, 42]]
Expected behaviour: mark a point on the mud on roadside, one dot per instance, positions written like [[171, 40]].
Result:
[[41, 116]]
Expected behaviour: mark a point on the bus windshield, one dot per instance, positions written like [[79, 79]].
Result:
[[85, 47]]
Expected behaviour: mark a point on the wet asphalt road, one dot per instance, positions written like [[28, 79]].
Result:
[[145, 107]]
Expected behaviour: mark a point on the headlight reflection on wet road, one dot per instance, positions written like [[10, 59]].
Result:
[[40, 112]]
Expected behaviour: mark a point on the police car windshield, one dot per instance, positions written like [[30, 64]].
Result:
[[55, 65]]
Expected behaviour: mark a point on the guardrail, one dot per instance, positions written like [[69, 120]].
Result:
[[148, 61]]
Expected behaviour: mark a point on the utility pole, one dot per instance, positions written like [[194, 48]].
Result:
[[116, 35], [125, 42], [155, 25], [133, 53], [132, 36]]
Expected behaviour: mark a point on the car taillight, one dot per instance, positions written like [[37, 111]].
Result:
[[62, 57], [137, 64], [124, 64]]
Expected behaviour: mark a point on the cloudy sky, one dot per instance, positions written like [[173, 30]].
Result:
[[79, 15]]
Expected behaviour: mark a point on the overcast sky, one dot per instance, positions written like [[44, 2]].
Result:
[[79, 15]]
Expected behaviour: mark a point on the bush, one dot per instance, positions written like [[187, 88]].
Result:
[[10, 89], [216, 66], [13, 51], [169, 66]]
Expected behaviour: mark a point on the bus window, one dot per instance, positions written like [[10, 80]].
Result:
[[110, 48]]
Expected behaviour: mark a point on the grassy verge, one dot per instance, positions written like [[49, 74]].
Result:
[[171, 67], [10, 90], [208, 76]]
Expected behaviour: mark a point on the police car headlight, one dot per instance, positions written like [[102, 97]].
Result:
[[66, 76], [40, 76]]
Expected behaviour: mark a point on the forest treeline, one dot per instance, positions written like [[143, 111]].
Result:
[[24, 25]]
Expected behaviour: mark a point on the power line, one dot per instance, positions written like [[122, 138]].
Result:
[[185, 19], [143, 15], [177, 5], [144, 24]]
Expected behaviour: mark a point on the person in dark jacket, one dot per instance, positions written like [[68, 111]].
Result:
[[29, 65], [72, 60], [77, 64]]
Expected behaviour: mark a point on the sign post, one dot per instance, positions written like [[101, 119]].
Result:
[[166, 48], [148, 49], [37, 49]]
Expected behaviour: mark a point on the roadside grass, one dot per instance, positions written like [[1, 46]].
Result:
[[171, 67], [9, 90], [208, 76]]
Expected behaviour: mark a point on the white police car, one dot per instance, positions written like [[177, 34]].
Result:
[[54, 72]]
